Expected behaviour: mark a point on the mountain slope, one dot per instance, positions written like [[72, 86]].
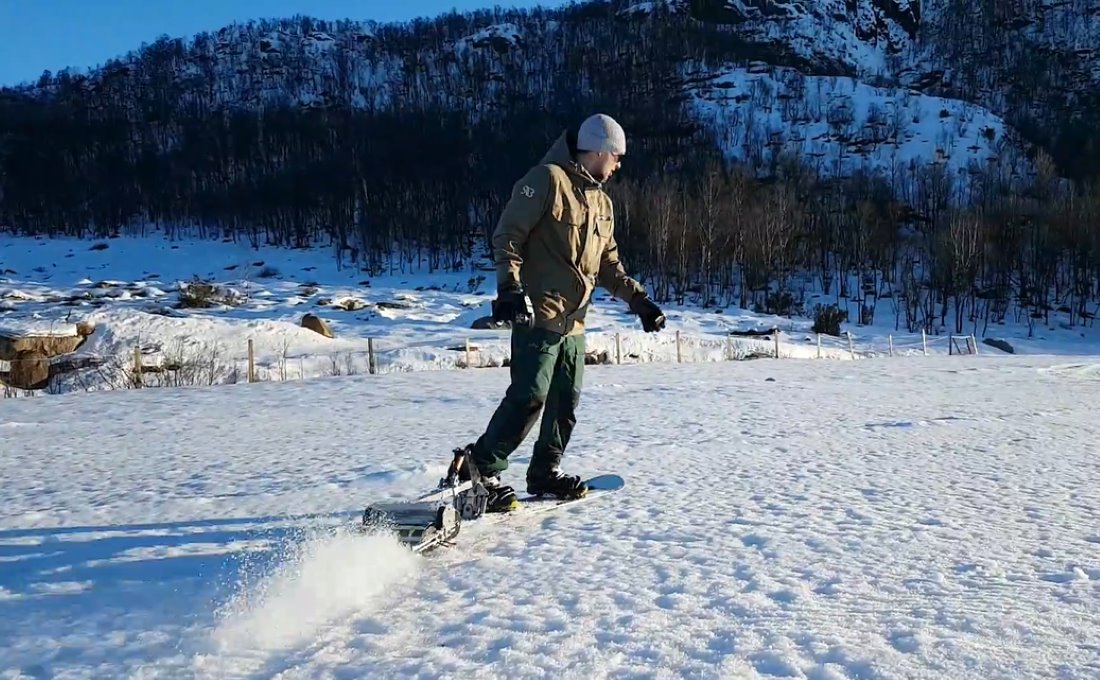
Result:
[[839, 125], [855, 38], [487, 62], [1031, 64], [1034, 62], [912, 147]]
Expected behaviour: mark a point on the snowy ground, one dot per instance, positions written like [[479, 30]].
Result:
[[131, 290], [896, 518]]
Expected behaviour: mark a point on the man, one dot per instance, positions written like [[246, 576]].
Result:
[[554, 243]]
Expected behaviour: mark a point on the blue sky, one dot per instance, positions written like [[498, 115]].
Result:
[[36, 35]]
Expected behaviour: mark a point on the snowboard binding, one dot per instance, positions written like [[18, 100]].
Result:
[[472, 502], [454, 470]]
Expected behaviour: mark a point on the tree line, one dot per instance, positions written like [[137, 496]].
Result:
[[398, 144], [902, 252]]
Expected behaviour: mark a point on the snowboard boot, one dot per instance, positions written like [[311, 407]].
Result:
[[502, 498], [496, 496], [553, 483]]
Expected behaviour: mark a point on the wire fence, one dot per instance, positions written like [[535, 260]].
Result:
[[189, 361]]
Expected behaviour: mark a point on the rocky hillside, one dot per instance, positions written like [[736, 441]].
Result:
[[858, 123], [1032, 64], [858, 38]]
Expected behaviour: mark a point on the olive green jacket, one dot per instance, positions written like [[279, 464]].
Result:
[[556, 238]]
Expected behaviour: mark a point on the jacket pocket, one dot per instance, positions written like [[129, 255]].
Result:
[[572, 227], [549, 303], [573, 217], [605, 226]]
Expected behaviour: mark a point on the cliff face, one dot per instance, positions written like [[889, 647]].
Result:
[[848, 37], [843, 84], [1033, 63]]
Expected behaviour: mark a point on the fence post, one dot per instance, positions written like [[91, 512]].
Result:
[[371, 366], [679, 356], [819, 345], [776, 334], [729, 348], [975, 339], [468, 363], [139, 378], [851, 346], [618, 349], [251, 361], [924, 341], [891, 339]]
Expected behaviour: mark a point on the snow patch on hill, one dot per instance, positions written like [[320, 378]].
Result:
[[500, 37], [854, 37], [842, 125]]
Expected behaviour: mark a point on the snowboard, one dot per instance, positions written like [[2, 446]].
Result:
[[430, 521], [485, 527], [598, 486]]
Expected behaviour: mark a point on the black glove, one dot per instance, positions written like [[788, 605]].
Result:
[[514, 307], [653, 319]]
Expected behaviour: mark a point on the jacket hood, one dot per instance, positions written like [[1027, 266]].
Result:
[[560, 153]]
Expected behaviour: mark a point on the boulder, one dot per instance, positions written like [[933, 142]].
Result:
[[486, 323], [597, 357], [27, 373], [350, 304], [48, 345], [317, 325], [999, 344], [198, 294], [30, 370]]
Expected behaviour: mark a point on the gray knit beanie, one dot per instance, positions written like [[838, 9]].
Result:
[[600, 132]]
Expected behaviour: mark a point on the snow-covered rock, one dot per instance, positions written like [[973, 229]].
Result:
[[499, 37]]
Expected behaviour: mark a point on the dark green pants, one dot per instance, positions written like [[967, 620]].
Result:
[[547, 371]]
